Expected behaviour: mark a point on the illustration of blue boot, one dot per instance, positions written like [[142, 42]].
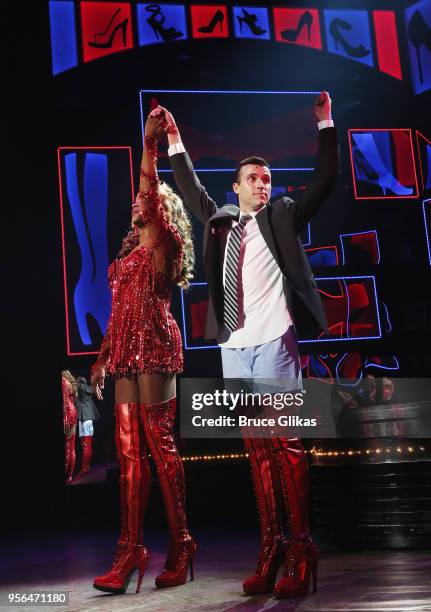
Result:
[[91, 294], [370, 167]]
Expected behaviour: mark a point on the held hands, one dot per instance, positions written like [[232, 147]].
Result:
[[322, 106], [154, 126], [98, 381], [161, 113]]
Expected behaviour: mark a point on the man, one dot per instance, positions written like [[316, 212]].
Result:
[[256, 269]]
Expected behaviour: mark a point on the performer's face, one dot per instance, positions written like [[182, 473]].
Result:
[[254, 187]]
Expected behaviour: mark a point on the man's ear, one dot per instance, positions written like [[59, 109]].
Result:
[[235, 188]]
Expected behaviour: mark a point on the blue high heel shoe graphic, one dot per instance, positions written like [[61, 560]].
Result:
[[91, 294], [370, 167]]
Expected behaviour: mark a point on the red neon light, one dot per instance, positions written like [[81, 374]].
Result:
[[420, 135], [106, 28], [415, 179], [321, 248], [63, 239], [287, 25], [388, 55], [210, 18]]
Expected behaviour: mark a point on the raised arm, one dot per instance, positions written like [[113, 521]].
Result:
[[327, 166], [194, 194]]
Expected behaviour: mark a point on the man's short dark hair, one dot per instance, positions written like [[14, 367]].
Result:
[[256, 161]]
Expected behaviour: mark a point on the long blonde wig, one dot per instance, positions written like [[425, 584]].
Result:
[[178, 217]]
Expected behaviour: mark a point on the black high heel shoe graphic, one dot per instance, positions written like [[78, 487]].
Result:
[[306, 19], [110, 32], [156, 21], [334, 29], [419, 34], [250, 20], [218, 17]]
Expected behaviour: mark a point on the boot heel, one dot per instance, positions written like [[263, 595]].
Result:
[[192, 577]]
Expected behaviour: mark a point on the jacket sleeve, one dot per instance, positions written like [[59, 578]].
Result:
[[195, 195], [324, 179]]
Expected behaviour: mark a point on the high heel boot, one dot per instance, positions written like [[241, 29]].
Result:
[[86, 456], [366, 144], [302, 555], [158, 421], [135, 482], [268, 493]]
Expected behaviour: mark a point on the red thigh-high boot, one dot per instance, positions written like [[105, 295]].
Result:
[[70, 457], [158, 420], [266, 486], [86, 456], [302, 554], [135, 482]]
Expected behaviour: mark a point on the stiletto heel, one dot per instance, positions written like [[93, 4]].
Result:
[[118, 578], [305, 20], [334, 29], [156, 21], [218, 17], [250, 20], [108, 43], [192, 577]]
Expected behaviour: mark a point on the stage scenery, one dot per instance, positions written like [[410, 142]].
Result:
[[225, 280]]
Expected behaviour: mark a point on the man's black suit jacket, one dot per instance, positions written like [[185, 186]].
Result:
[[280, 222]]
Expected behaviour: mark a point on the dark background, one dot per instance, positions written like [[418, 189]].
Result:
[[97, 103]]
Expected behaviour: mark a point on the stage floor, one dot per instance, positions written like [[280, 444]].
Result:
[[389, 581]]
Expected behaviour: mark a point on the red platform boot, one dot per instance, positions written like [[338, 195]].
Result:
[[302, 555], [158, 421], [135, 482], [86, 456], [70, 453], [267, 489]]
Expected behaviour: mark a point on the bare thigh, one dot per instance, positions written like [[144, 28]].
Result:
[[126, 391], [155, 388]]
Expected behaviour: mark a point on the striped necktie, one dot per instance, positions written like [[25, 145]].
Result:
[[231, 274]]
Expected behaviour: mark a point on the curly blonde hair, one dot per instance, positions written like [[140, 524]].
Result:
[[178, 217], [67, 374]]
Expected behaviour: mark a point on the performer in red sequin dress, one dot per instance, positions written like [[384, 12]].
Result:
[[142, 349], [70, 418]]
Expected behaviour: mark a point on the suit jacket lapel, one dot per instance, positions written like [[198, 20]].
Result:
[[262, 219]]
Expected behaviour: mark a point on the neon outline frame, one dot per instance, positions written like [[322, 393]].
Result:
[[396, 197], [314, 340], [63, 240]]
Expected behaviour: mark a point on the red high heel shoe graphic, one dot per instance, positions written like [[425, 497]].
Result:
[[218, 17], [305, 20], [110, 31]]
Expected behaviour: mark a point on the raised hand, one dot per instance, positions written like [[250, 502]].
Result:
[[98, 381], [154, 126], [160, 112], [322, 106]]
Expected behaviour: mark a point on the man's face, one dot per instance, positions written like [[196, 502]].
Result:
[[254, 187]]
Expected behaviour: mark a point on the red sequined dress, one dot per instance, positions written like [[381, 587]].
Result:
[[142, 335]]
